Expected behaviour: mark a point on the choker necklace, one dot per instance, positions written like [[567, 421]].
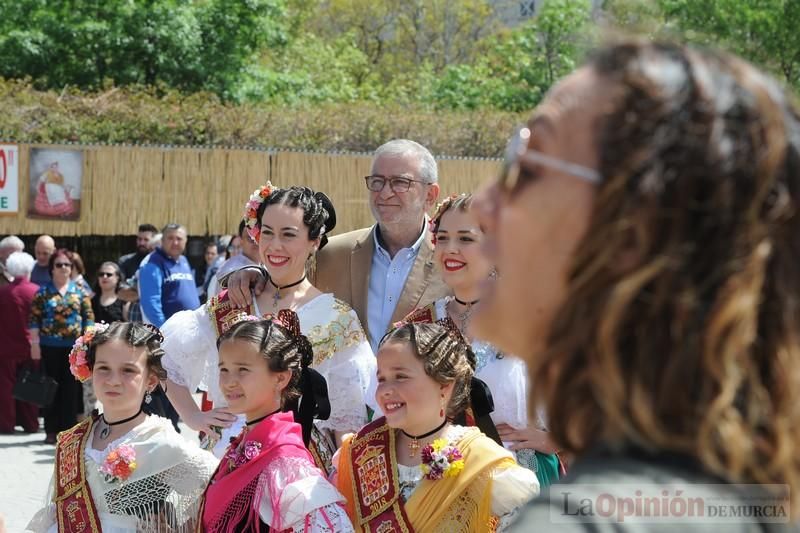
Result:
[[259, 419], [278, 289], [107, 428], [413, 446], [464, 317]]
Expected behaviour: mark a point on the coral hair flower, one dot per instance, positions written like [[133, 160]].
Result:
[[78, 357], [251, 210]]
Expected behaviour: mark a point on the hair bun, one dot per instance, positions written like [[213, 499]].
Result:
[[330, 222]]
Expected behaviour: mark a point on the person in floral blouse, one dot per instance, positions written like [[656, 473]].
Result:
[[60, 313]]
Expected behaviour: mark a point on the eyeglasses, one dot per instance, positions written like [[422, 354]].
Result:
[[106, 274], [518, 150], [62, 265], [396, 183]]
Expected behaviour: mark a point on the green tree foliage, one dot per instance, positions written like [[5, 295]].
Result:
[[189, 45], [520, 64], [763, 31]]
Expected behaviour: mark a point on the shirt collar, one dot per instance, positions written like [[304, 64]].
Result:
[[414, 247]]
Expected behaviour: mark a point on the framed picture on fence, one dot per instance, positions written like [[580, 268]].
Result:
[[55, 184]]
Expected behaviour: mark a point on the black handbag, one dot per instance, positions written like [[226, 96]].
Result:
[[35, 387]]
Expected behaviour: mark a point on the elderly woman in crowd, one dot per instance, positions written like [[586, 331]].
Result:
[[15, 348], [647, 232], [59, 315]]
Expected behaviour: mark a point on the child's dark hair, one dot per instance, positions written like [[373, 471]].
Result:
[[134, 334], [276, 344], [284, 347], [445, 356], [318, 212]]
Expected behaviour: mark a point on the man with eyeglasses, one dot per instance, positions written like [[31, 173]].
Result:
[[384, 271]]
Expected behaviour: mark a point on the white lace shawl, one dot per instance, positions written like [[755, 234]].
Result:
[[341, 354], [171, 475]]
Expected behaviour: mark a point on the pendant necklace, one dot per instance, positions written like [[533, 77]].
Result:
[[107, 425], [463, 317], [414, 445], [278, 289]]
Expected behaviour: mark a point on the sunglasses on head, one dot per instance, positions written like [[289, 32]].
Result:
[[518, 151]]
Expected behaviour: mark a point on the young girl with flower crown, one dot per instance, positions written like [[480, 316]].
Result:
[[267, 480], [123, 471], [412, 469]]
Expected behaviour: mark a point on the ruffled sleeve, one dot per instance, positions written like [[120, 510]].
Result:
[[190, 347], [343, 356], [512, 487], [306, 501]]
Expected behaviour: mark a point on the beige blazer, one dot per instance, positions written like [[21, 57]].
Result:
[[344, 264]]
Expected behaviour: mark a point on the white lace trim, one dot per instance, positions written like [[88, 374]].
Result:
[[151, 422]]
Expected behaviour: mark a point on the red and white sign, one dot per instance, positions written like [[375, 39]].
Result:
[[9, 178]]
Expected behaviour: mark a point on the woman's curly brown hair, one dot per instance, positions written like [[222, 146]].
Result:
[[445, 356], [691, 345]]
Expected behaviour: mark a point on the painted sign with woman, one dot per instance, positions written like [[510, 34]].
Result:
[[55, 184]]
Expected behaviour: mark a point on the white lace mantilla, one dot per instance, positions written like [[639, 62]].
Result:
[[161, 495], [341, 354]]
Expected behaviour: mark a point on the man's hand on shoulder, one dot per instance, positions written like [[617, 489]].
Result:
[[242, 284]]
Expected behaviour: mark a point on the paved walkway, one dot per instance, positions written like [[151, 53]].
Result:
[[26, 466]]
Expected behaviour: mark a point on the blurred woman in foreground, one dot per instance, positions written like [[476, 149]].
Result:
[[646, 227]]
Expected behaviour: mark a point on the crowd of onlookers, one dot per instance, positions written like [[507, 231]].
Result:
[[48, 299]]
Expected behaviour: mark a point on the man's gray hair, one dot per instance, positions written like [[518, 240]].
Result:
[[20, 264], [12, 241], [401, 147], [172, 226]]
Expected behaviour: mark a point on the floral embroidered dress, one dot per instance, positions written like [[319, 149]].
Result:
[[482, 496], [507, 378], [267, 481], [341, 354], [150, 479]]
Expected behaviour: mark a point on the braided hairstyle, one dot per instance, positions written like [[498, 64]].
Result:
[[134, 334], [318, 212], [277, 344], [285, 348], [445, 357]]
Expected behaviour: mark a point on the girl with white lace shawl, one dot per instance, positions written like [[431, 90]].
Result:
[[289, 225], [123, 471], [267, 479]]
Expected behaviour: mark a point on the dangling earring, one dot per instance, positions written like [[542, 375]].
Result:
[[147, 397], [441, 407]]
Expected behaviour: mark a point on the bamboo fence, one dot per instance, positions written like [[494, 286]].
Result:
[[205, 188]]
